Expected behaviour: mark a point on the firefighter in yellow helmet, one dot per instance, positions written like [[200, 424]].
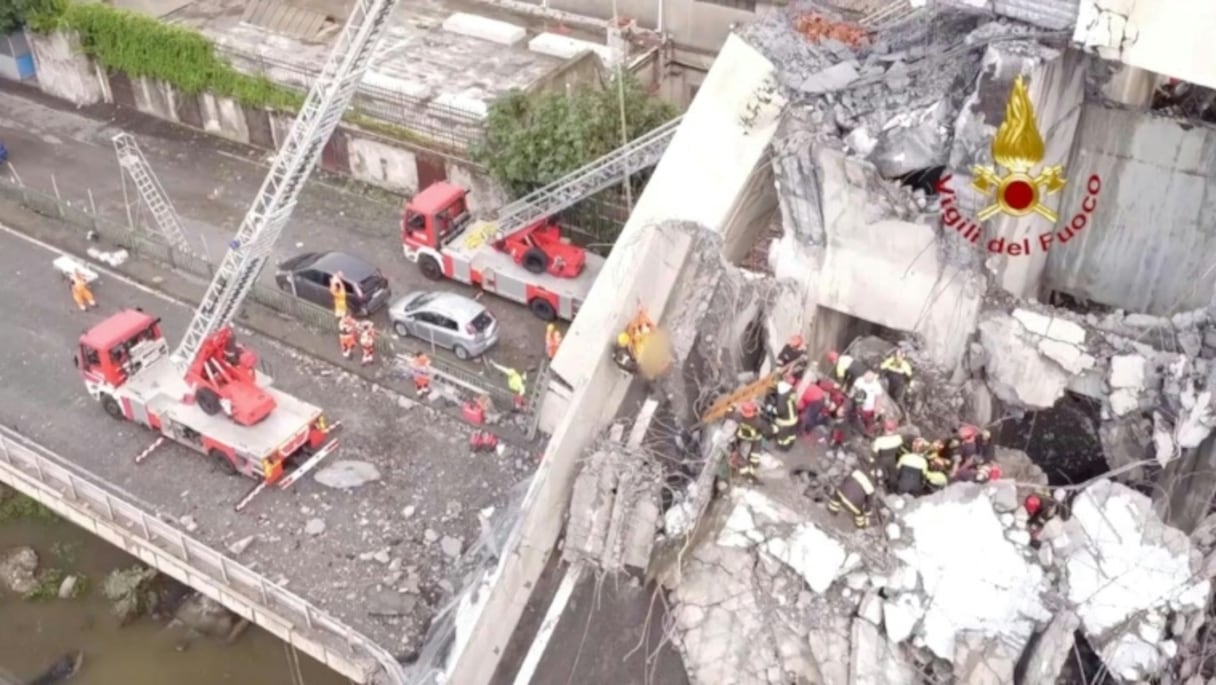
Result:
[[622, 353]]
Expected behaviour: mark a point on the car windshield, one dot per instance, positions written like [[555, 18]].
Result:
[[482, 321], [421, 302]]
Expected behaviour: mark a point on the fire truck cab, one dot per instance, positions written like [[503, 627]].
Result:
[[534, 265], [125, 364]]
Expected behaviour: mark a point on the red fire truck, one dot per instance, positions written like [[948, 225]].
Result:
[[533, 265], [231, 414]]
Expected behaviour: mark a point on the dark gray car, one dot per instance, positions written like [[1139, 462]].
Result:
[[307, 277], [446, 320]]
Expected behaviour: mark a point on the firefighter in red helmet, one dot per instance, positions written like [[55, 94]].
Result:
[[793, 356], [749, 433]]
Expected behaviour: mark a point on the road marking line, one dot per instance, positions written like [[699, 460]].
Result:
[[557, 608]]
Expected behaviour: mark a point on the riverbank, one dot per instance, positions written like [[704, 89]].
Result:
[[147, 651]]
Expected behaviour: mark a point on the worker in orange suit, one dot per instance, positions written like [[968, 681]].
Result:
[[367, 341], [81, 293], [338, 289], [347, 332], [420, 372], [553, 340]]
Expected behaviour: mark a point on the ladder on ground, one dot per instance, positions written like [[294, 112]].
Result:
[[330, 96], [613, 168], [131, 159]]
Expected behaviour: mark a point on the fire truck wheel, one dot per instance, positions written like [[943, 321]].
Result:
[[208, 400], [542, 309], [535, 260], [112, 407], [430, 268], [223, 462]]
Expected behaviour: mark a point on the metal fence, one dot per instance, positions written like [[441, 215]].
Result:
[[431, 121], [311, 315], [96, 506]]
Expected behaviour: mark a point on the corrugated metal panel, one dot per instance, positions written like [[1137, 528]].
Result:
[[1049, 14], [1151, 244]]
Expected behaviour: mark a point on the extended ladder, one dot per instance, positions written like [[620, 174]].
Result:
[[331, 93], [614, 167], [168, 223]]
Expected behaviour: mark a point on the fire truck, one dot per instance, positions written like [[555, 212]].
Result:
[[208, 395], [521, 254]]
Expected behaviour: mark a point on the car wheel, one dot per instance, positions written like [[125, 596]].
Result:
[[111, 407], [223, 462], [430, 268], [542, 309], [535, 260], [461, 353], [208, 400], [401, 329]]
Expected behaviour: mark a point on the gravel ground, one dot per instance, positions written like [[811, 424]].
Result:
[[382, 548]]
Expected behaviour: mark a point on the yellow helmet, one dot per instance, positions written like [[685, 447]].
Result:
[[623, 340], [550, 328]]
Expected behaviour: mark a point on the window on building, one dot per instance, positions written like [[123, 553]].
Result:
[[745, 5]]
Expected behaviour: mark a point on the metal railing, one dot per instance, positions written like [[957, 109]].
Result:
[[432, 121], [43, 476]]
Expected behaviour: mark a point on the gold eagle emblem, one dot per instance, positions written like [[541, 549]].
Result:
[[1018, 147]]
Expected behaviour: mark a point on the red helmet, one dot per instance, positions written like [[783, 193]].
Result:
[[968, 432], [796, 340], [748, 409], [833, 355], [1032, 504], [890, 425]]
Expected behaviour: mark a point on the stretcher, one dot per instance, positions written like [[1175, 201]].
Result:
[[68, 265]]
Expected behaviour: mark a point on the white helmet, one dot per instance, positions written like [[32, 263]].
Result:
[[783, 387]]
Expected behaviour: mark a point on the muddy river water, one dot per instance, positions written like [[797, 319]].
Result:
[[146, 652]]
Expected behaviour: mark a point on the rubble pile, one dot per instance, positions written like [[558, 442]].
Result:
[[949, 586], [815, 27]]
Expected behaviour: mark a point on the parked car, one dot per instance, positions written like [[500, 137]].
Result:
[[446, 320], [307, 276]]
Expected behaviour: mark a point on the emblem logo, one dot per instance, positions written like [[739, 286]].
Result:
[[1018, 148]]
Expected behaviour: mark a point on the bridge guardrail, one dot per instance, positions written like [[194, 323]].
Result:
[[39, 473]]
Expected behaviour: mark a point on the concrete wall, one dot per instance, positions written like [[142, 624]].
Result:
[[1171, 37], [1155, 224], [63, 71], [368, 157], [587, 68]]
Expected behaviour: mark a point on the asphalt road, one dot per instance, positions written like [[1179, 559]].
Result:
[[431, 486], [56, 148]]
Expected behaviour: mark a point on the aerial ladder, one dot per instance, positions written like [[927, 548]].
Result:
[[323, 108], [600, 174], [131, 159]]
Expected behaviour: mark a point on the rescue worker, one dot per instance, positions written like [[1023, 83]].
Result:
[[623, 355], [420, 373], [937, 474], [338, 289], [1042, 507], [857, 494], [964, 447], [793, 355], [871, 390], [985, 447], [888, 447], [845, 369], [897, 373], [785, 418], [553, 339], [346, 335], [910, 476], [638, 328], [81, 294], [516, 384], [812, 408], [748, 435], [837, 409], [367, 342]]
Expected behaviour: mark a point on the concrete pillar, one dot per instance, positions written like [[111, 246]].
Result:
[[1131, 86]]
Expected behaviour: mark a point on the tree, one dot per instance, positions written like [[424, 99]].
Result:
[[535, 138], [15, 13]]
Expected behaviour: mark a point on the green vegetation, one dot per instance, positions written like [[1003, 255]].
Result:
[[15, 13], [17, 507], [49, 582], [535, 138], [141, 46]]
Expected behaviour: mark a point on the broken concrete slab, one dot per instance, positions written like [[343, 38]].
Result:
[[1024, 367], [1125, 568], [981, 660], [829, 639], [875, 661], [1052, 649], [833, 78]]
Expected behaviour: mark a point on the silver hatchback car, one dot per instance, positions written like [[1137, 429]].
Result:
[[446, 320]]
